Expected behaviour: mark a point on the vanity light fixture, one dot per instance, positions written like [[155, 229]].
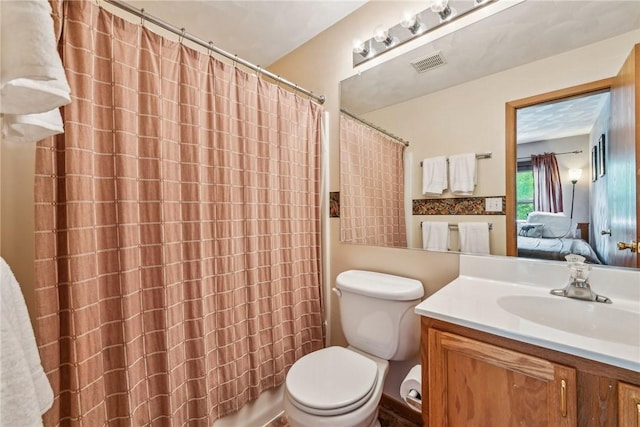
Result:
[[412, 25]]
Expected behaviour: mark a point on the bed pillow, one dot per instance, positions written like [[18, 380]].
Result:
[[555, 224], [530, 229]]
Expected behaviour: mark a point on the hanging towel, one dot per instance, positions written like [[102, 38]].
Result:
[[462, 173], [474, 237], [32, 78], [434, 175], [435, 235], [31, 127], [25, 392]]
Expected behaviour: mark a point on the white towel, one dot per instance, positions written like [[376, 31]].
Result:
[[474, 237], [462, 173], [434, 175], [32, 78], [31, 127], [25, 392], [435, 236]]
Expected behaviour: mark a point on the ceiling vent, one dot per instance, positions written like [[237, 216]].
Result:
[[427, 63]]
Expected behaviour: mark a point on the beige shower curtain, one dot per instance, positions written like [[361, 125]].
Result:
[[371, 186], [177, 231]]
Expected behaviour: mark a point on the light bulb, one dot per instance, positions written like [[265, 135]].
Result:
[[412, 23], [408, 19], [574, 175], [360, 47], [382, 36], [439, 5]]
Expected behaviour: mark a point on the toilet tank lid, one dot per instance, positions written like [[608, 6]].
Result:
[[380, 285]]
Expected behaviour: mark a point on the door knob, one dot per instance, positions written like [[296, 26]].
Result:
[[633, 246], [605, 232]]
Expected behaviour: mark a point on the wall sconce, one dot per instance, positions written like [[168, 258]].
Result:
[[574, 176], [411, 26]]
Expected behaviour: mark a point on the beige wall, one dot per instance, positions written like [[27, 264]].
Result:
[[450, 116]]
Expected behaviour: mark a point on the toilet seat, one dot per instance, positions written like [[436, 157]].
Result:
[[331, 381]]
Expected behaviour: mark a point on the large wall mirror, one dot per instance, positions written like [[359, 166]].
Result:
[[456, 108]]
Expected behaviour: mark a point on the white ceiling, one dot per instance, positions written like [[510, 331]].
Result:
[[560, 119], [260, 31]]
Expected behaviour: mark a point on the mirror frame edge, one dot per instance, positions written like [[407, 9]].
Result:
[[511, 151]]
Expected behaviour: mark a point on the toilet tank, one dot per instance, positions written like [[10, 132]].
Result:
[[377, 313]]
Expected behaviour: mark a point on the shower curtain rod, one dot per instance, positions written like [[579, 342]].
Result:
[[140, 13], [379, 129], [557, 154]]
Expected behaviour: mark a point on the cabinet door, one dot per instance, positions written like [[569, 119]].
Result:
[[628, 405], [477, 384]]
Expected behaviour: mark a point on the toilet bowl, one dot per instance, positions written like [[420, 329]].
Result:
[[342, 387], [335, 386]]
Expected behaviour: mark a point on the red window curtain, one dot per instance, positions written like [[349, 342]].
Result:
[[177, 231], [547, 186]]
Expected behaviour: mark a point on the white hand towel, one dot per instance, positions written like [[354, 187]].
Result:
[[434, 175], [31, 127], [462, 173], [25, 392], [435, 235], [474, 237], [32, 78]]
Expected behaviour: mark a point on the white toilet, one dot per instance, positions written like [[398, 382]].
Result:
[[339, 386]]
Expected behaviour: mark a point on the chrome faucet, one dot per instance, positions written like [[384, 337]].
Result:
[[578, 286]]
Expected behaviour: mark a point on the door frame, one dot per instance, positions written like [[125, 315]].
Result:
[[511, 150]]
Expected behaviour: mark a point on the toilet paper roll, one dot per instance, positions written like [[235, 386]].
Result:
[[411, 388]]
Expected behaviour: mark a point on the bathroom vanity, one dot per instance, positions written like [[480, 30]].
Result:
[[498, 349]]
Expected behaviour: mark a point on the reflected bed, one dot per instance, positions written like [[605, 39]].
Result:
[[555, 248]]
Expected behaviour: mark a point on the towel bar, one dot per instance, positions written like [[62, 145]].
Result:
[[455, 226], [478, 156]]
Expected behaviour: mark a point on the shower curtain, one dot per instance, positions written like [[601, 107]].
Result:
[[371, 186], [177, 231]]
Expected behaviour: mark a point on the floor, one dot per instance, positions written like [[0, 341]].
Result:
[[387, 417]]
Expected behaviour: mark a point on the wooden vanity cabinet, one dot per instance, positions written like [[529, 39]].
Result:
[[472, 378], [628, 405]]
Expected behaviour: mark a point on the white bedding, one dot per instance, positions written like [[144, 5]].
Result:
[[555, 249]]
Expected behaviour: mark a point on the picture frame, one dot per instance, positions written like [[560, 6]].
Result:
[[601, 156], [594, 163]]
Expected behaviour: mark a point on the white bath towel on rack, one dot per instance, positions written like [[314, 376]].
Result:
[[474, 237], [434, 175], [462, 173], [32, 78], [435, 235], [31, 127], [25, 392]]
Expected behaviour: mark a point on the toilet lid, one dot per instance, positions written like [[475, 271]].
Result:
[[331, 381]]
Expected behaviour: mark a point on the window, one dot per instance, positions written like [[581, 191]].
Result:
[[524, 190]]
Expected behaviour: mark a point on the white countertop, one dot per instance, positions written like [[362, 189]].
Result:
[[608, 333]]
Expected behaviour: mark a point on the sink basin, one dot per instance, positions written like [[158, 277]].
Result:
[[588, 319]]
